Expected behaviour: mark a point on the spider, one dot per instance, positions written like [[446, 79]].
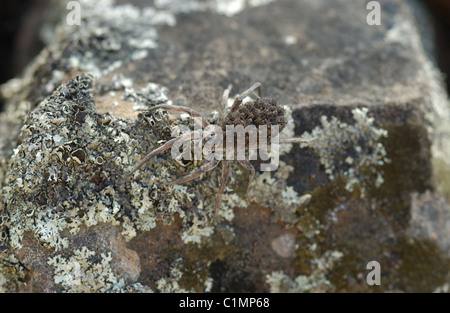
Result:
[[257, 112]]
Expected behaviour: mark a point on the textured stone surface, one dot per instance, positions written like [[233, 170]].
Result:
[[370, 188]]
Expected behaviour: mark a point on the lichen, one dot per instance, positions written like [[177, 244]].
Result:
[[270, 188], [315, 282], [351, 151], [149, 95], [111, 45], [197, 231], [12, 273], [70, 170], [84, 271], [172, 284]]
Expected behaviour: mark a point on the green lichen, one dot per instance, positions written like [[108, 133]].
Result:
[[423, 266], [311, 240], [170, 284]]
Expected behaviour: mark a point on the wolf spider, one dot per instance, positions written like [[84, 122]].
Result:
[[257, 112]]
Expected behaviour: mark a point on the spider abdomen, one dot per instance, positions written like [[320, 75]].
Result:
[[258, 112]]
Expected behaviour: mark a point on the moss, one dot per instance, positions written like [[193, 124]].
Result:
[[364, 234], [422, 268], [352, 151], [197, 260], [371, 224], [407, 265], [312, 219], [329, 196], [315, 282], [409, 170], [351, 156], [190, 265]]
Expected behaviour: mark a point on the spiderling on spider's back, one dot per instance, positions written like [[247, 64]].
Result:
[[258, 112]]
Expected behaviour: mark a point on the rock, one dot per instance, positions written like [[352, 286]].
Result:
[[367, 187]]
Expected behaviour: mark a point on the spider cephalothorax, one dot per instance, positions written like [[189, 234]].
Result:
[[259, 112]]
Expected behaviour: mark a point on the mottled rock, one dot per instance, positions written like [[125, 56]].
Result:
[[370, 186]]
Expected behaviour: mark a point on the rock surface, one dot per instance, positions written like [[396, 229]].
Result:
[[374, 185]]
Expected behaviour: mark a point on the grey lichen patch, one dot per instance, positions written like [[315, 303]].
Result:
[[84, 271], [351, 151], [170, 284], [316, 282], [70, 170], [112, 34]]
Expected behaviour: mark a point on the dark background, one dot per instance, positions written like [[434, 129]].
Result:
[[19, 38], [20, 22]]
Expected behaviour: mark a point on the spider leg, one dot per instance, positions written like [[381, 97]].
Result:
[[223, 103], [203, 169], [186, 136], [242, 96], [197, 116], [247, 165], [223, 184]]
